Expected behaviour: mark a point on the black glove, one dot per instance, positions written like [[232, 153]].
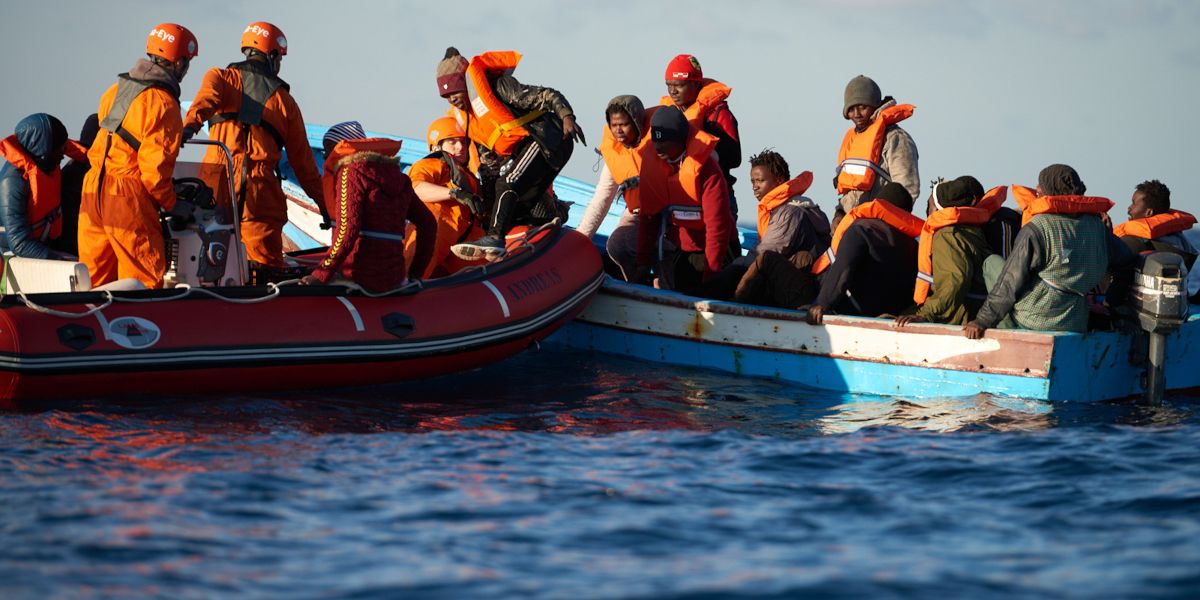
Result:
[[469, 200], [630, 183], [187, 134]]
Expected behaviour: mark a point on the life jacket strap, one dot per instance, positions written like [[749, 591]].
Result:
[[269, 128], [504, 128], [859, 166], [380, 235]]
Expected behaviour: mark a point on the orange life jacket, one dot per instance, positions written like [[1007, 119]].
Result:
[[859, 156], [490, 122], [897, 217], [625, 162], [779, 196], [712, 93], [44, 208], [968, 215], [1150, 228], [344, 148], [1032, 204], [663, 186]]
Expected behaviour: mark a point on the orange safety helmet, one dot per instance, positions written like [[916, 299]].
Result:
[[264, 37], [172, 42], [441, 129]]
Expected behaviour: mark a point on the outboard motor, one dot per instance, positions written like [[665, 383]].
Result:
[[1160, 299], [198, 249]]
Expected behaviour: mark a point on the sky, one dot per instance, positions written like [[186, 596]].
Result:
[[1002, 89]]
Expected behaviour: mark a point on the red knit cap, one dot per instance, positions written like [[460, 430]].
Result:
[[684, 67]]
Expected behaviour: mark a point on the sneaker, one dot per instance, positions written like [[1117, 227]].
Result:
[[490, 247]]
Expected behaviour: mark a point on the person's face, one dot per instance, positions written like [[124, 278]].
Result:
[[1138, 208], [683, 93], [456, 147], [668, 150], [622, 128], [181, 68], [762, 180], [929, 207], [860, 115], [458, 100]]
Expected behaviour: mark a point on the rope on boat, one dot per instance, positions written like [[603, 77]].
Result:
[[12, 282]]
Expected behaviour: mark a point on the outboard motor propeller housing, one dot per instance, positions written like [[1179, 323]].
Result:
[[1160, 299], [199, 250]]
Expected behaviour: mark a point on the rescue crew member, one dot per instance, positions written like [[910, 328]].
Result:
[[1063, 250], [703, 102], [870, 266], [373, 199], [72, 189], [684, 175], [625, 148], [525, 133], [30, 185], [251, 110], [875, 151], [950, 254], [1153, 226], [444, 182], [132, 160], [788, 222]]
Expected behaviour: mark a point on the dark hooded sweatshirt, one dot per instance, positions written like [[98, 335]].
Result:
[[36, 135]]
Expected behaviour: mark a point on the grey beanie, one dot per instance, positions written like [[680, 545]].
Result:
[[861, 90]]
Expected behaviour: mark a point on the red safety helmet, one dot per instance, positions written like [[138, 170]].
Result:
[[443, 129], [265, 38], [172, 42]]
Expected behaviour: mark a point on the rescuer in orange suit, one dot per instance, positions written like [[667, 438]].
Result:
[[132, 160], [251, 110]]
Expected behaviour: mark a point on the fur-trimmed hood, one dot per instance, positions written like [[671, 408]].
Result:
[[368, 156]]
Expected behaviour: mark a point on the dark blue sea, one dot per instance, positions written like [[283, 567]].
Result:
[[562, 474]]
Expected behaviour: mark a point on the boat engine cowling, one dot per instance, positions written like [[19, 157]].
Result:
[[1160, 292], [199, 246]]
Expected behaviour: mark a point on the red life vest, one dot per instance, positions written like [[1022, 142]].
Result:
[[712, 93], [663, 186], [859, 156], [1032, 204], [44, 208], [1150, 228], [490, 122], [625, 162], [779, 196], [897, 217], [344, 148], [968, 215]]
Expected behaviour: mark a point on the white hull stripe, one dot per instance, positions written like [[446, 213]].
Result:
[[227, 356], [499, 298], [358, 324]]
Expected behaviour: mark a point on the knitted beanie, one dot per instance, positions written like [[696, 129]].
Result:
[[861, 90], [346, 130], [896, 195], [451, 73]]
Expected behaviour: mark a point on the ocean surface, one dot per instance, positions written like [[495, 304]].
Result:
[[563, 474]]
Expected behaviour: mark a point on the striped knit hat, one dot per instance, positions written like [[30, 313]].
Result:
[[346, 130]]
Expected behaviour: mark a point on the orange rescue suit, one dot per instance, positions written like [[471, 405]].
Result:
[[1150, 228], [256, 152], [897, 217], [455, 222], [967, 215], [120, 235], [1032, 204], [625, 162], [490, 122], [859, 156], [780, 196], [712, 93], [45, 196]]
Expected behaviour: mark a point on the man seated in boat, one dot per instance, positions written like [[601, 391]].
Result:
[[444, 182], [875, 150], [526, 132], [685, 224], [1063, 251], [951, 251], [625, 148], [1153, 226], [871, 263], [373, 200], [788, 222], [30, 184]]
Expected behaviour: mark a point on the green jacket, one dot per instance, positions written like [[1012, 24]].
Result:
[[958, 289]]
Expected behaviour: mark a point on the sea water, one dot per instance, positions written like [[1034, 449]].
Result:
[[564, 474]]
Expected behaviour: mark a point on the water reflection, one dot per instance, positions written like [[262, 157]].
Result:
[[978, 412]]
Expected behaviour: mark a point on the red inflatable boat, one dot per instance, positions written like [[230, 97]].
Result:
[[231, 339]]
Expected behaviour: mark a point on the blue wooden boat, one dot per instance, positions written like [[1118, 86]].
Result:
[[846, 354]]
